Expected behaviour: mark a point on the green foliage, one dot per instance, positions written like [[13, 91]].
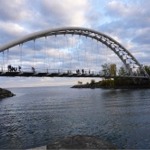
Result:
[[92, 82], [105, 69], [113, 69], [79, 82], [87, 83], [118, 81], [107, 83], [109, 69], [122, 71]]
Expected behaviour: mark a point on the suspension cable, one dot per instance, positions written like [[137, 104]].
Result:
[[34, 53], [87, 54], [45, 60], [78, 51], [97, 51], [59, 61], [58, 52], [71, 52], [54, 56], [21, 45], [7, 56], [3, 62], [91, 51], [48, 54], [67, 52], [94, 58]]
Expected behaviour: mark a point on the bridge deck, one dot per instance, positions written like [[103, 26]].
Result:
[[44, 74]]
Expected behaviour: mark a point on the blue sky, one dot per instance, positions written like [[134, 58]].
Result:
[[127, 21]]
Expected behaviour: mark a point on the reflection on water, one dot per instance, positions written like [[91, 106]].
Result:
[[37, 116]]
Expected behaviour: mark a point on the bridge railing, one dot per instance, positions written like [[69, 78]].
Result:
[[26, 72], [50, 71]]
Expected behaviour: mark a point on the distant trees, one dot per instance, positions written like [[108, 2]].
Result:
[[79, 82], [122, 71], [92, 82], [118, 79], [109, 69], [105, 69], [113, 69]]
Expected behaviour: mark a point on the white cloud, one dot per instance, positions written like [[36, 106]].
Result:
[[13, 29], [15, 10], [71, 13], [126, 21]]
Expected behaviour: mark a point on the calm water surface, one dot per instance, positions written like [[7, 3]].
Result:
[[38, 116]]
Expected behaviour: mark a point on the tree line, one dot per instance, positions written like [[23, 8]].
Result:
[[119, 80], [111, 70]]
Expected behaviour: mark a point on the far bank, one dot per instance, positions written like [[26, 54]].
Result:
[[116, 83]]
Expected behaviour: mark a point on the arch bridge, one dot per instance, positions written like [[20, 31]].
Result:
[[129, 61]]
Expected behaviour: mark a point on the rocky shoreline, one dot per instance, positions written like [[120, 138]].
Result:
[[78, 142], [4, 93], [117, 83], [81, 142], [111, 87]]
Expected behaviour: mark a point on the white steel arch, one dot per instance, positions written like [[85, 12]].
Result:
[[126, 57]]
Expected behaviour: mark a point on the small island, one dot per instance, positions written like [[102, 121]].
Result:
[[4, 93], [116, 83], [117, 80]]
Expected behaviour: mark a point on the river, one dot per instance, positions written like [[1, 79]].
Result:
[[37, 116]]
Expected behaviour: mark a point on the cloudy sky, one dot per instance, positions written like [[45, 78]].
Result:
[[127, 21]]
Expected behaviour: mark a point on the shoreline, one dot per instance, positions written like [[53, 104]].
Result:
[[116, 83], [110, 87], [4, 93], [78, 142]]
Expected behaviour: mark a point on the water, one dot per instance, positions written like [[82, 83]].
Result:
[[38, 116]]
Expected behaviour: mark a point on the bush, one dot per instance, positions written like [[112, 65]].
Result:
[[92, 82]]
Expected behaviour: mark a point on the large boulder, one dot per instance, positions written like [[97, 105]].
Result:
[[81, 142], [5, 93]]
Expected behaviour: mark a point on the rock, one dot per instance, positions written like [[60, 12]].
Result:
[[5, 93], [81, 142]]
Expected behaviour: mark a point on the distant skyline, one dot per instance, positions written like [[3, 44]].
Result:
[[127, 21]]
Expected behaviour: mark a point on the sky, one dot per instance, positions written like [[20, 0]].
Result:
[[127, 21]]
